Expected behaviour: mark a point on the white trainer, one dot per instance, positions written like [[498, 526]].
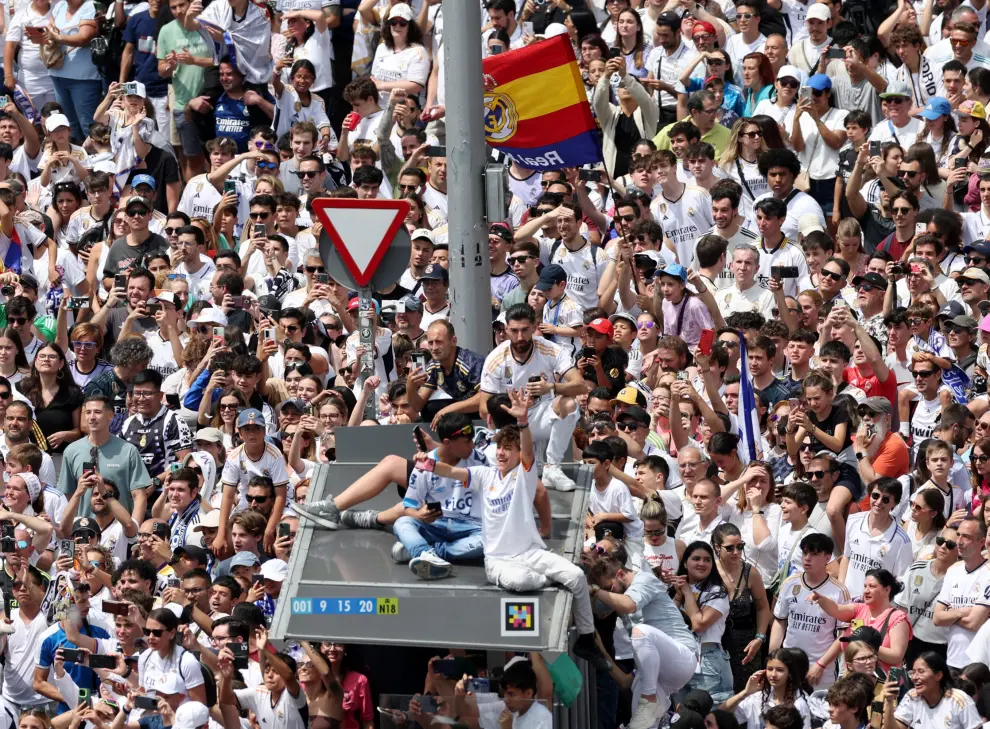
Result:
[[555, 478], [428, 566], [399, 553]]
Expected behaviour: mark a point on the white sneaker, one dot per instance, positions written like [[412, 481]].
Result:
[[554, 478], [646, 716], [399, 553], [428, 566]]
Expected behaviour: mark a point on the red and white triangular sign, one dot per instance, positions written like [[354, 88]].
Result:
[[361, 230]]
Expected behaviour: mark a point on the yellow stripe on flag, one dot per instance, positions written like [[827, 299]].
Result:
[[545, 92]]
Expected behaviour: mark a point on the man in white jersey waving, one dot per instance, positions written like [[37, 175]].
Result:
[[428, 536], [516, 558], [547, 373]]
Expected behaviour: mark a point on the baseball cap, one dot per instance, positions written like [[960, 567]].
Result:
[[355, 303], [243, 559], [965, 321], [983, 248], [788, 71], [293, 403], [85, 524], [250, 416], [269, 303], [876, 404], [687, 719], [818, 11], [952, 309], [969, 108], [629, 396], [936, 108], [674, 270], [164, 296], [810, 223], [192, 714], [819, 82], [550, 276], [870, 636], [670, 19], [636, 414], [625, 316], [144, 180], [193, 552], [412, 303], [29, 282], [56, 121], [702, 26], [401, 10], [896, 88], [210, 435], [169, 683], [435, 272], [554, 29], [423, 233], [275, 569], [138, 200], [602, 326], [138, 88], [871, 278], [209, 520], [501, 230], [974, 274], [698, 700], [211, 315]]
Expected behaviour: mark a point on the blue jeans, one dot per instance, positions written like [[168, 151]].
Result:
[[452, 540], [78, 100], [714, 675]]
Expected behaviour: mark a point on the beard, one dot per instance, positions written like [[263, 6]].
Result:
[[882, 429]]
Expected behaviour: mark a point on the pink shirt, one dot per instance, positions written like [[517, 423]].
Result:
[[896, 617], [357, 700], [695, 318]]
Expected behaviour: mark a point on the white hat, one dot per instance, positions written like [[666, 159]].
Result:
[[423, 233], [818, 11], [33, 485], [275, 569], [164, 297], [191, 715], [788, 71], [401, 10], [138, 88], [56, 121], [554, 29], [209, 520], [809, 223], [170, 683], [211, 315]]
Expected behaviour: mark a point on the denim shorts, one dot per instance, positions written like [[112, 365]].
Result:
[[714, 673]]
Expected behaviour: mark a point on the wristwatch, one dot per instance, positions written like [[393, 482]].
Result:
[[860, 455]]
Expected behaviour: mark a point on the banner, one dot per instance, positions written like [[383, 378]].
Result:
[[536, 110], [750, 440]]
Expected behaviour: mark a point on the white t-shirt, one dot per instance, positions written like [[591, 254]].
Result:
[[890, 551], [21, 657], [921, 589], [799, 204], [585, 268], [786, 254], [152, 668], [616, 499], [114, 539], [32, 73], [755, 183], [410, 64], [457, 501], [731, 300], [502, 371], [808, 627], [319, 51], [955, 711], [963, 589], [239, 468], [924, 420], [820, 160], [885, 131], [737, 48], [717, 598], [684, 220], [284, 714], [663, 557], [750, 710], [508, 527], [199, 198]]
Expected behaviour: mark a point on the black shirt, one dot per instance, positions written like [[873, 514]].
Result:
[[163, 167], [836, 417], [614, 363], [875, 227]]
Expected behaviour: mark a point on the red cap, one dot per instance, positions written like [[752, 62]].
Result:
[[703, 26], [713, 77], [602, 326]]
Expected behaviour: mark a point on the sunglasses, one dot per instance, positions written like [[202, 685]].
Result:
[[136, 213], [790, 83], [953, 329], [157, 632], [519, 259], [259, 216], [832, 275], [745, 16], [818, 93], [626, 218], [979, 459], [915, 321], [947, 543], [315, 269], [866, 288], [752, 135], [600, 427], [171, 231], [5, 395], [627, 426], [911, 174], [176, 277], [83, 345], [815, 474], [975, 260], [923, 373], [731, 548], [645, 324], [17, 319], [228, 406], [654, 532], [882, 498], [307, 174], [963, 42], [256, 499], [267, 165]]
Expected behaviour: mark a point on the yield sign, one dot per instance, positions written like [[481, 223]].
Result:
[[361, 230]]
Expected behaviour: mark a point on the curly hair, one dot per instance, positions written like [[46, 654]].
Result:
[[130, 351]]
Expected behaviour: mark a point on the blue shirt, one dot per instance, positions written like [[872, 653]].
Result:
[[732, 97], [142, 30], [54, 639], [235, 119], [78, 62]]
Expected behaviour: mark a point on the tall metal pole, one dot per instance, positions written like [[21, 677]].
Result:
[[470, 271]]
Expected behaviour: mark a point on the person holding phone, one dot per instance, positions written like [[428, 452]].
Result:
[[932, 702]]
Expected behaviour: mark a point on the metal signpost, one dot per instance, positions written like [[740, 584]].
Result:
[[365, 246]]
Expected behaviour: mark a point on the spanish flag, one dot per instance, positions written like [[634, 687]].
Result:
[[536, 109]]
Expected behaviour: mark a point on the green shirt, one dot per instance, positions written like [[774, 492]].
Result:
[[517, 296], [118, 461], [187, 81], [717, 136]]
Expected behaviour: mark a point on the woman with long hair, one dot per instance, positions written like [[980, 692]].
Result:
[[699, 591], [979, 470], [849, 247], [416, 218], [580, 25], [359, 711], [940, 131], [66, 199], [817, 134], [771, 131], [927, 520], [923, 583], [758, 77], [661, 552], [56, 398], [635, 49], [324, 695], [739, 163], [609, 29], [633, 106], [933, 696], [932, 191], [224, 418], [877, 611], [749, 607], [783, 104], [13, 362], [401, 61], [165, 655], [781, 683]]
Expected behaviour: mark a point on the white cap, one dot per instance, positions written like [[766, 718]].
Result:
[[211, 315], [554, 29], [789, 71], [809, 223], [191, 715], [274, 569], [818, 11], [209, 520], [401, 10], [164, 296], [423, 233], [138, 89], [55, 121]]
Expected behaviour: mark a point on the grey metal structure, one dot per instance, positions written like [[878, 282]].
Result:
[[343, 583], [470, 270]]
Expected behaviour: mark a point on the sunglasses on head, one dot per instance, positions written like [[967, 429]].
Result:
[[882, 498], [947, 543]]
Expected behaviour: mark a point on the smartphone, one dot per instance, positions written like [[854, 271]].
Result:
[[172, 400], [587, 352], [806, 93], [268, 334], [496, 49], [920, 228], [218, 332], [240, 651], [115, 608], [153, 308], [162, 531], [229, 186], [428, 704], [284, 530], [322, 279], [434, 506], [958, 163], [426, 465], [590, 175], [72, 655], [8, 545], [835, 52], [102, 661], [896, 674], [479, 685], [706, 341], [782, 272], [419, 358], [148, 703], [451, 668], [434, 150], [874, 149], [260, 231], [420, 438], [120, 281], [85, 698], [614, 52], [4, 100], [794, 402], [7, 531], [75, 303], [66, 548], [257, 579]]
